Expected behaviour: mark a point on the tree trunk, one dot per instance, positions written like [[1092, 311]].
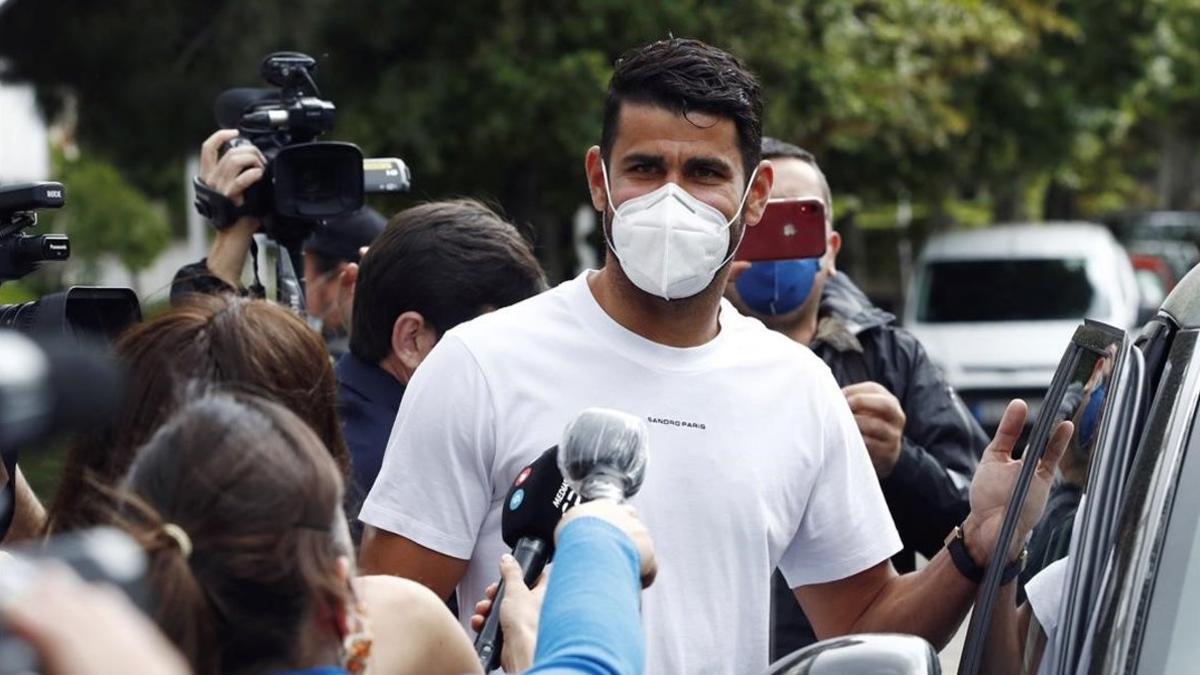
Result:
[[1008, 201], [523, 206], [1177, 170], [1060, 202]]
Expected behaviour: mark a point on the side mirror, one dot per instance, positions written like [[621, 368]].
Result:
[[871, 653]]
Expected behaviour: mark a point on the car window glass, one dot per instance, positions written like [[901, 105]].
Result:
[[1007, 290], [1080, 393], [1083, 403]]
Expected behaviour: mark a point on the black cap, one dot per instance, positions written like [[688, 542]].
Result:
[[342, 237]]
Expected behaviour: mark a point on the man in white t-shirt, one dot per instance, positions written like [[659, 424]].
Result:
[[755, 459]]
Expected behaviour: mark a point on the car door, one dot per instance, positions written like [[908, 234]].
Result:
[[1107, 477], [1091, 385], [1144, 616]]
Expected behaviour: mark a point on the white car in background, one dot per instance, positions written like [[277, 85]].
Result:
[[994, 307]]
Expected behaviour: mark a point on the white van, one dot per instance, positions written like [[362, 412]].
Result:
[[994, 307]]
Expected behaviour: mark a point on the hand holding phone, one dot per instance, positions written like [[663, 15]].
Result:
[[789, 229]]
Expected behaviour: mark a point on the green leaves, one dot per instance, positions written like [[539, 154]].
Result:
[[106, 215], [993, 99]]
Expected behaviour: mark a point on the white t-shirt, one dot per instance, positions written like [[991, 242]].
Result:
[[755, 462], [1044, 592]]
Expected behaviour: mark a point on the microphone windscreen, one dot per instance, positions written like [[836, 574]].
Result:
[[604, 449], [233, 103], [536, 501]]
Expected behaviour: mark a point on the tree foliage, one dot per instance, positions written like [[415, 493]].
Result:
[[107, 215], [1027, 106]]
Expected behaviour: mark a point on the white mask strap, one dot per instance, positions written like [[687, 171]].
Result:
[[608, 197], [607, 187], [733, 251]]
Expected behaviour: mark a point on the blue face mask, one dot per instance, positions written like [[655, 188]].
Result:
[[778, 286], [1090, 419]]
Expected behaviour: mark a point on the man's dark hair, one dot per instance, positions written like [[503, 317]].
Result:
[[773, 148], [449, 261], [687, 76]]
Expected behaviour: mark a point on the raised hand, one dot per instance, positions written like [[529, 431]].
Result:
[[995, 479]]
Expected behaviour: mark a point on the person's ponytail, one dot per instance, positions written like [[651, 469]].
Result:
[[181, 608]]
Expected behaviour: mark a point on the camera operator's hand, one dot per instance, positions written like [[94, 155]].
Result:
[[231, 174], [234, 172], [80, 628]]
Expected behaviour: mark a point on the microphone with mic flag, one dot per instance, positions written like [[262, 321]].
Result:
[[603, 455], [535, 502]]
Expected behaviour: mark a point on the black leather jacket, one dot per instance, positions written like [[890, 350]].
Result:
[[927, 491]]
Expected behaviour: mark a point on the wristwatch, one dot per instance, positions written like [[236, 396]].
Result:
[[957, 548]]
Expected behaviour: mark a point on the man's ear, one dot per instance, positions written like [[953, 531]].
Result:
[[347, 281], [348, 277], [760, 192], [407, 333], [595, 177], [833, 244]]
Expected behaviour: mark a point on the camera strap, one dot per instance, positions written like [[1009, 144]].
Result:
[[220, 210], [257, 289]]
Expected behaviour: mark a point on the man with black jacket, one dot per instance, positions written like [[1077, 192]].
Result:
[[923, 443]]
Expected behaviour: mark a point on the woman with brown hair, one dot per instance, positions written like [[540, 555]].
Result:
[[241, 344], [239, 507]]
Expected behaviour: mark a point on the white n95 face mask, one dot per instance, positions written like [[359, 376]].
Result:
[[670, 243]]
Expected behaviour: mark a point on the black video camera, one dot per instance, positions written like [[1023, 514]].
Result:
[[21, 253], [306, 181], [99, 311]]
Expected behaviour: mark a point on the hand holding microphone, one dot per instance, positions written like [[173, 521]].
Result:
[[603, 457], [535, 503], [624, 517]]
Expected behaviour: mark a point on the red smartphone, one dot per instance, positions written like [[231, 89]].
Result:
[[790, 228]]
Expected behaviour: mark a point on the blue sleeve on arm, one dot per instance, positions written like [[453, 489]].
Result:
[[591, 617]]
